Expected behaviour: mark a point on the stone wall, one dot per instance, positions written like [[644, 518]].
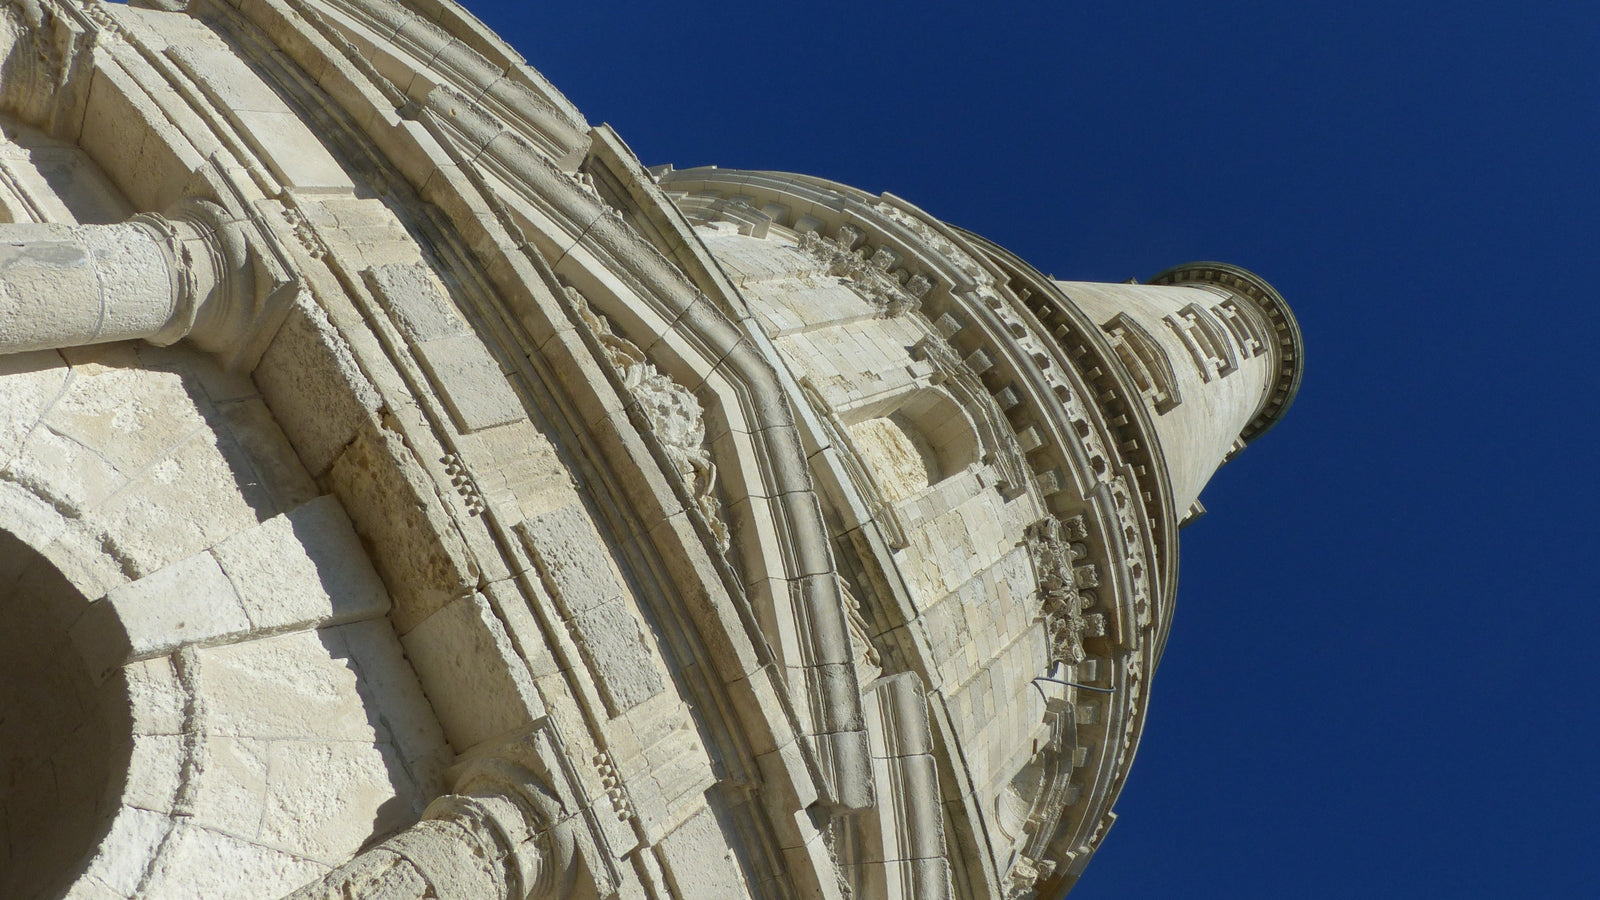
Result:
[[404, 493]]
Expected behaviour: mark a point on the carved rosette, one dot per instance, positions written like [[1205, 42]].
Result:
[[674, 415], [1057, 550]]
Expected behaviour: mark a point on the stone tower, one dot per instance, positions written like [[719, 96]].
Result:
[[404, 493]]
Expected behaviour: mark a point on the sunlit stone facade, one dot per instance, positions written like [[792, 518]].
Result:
[[404, 493]]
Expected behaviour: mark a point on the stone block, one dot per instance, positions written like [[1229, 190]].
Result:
[[151, 693], [710, 607], [189, 602], [288, 687], [846, 763], [831, 690], [416, 301], [760, 712], [63, 472], [327, 800], [820, 626], [637, 479], [395, 508], [32, 519], [758, 548], [479, 687], [283, 140], [32, 382], [155, 772], [572, 559], [127, 850], [130, 416], [698, 860], [114, 132], [902, 717], [618, 653], [584, 379], [271, 456], [200, 864], [315, 389], [471, 382], [930, 879], [390, 689], [806, 548], [230, 783], [303, 569], [186, 501]]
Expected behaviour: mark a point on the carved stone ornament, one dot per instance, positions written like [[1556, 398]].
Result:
[[1050, 541], [1000, 446], [869, 664], [673, 413], [942, 245], [1025, 875], [871, 272]]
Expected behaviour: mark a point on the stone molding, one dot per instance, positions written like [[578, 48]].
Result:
[[1001, 338], [1290, 363]]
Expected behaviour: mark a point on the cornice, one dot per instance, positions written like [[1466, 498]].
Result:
[[1291, 349], [1070, 426]]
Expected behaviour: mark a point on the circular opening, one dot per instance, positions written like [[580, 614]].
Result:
[[57, 748]]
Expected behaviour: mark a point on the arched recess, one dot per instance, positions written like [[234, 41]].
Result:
[[413, 147], [64, 736], [913, 441], [226, 616]]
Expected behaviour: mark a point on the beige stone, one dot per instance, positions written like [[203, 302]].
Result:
[[460, 653], [305, 568], [406, 494]]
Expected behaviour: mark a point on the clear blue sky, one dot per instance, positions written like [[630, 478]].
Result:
[[1381, 679]]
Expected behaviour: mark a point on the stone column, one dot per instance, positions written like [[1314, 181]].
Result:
[[493, 842], [158, 278]]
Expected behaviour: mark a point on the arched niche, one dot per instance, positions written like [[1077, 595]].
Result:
[[64, 736], [913, 441]]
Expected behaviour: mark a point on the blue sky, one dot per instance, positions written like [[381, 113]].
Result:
[[1380, 681]]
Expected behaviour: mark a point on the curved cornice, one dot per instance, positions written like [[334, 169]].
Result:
[[978, 281], [1291, 349]]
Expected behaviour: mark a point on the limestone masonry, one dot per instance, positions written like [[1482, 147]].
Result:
[[405, 494]]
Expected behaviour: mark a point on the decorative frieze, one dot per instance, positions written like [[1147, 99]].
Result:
[[616, 790], [462, 481], [1058, 559], [893, 291], [674, 415]]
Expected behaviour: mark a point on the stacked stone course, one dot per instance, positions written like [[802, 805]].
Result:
[[405, 494]]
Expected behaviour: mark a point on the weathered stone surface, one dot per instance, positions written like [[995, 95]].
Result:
[[304, 568], [405, 494], [200, 863], [394, 506], [461, 653], [470, 382], [314, 387], [189, 602]]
